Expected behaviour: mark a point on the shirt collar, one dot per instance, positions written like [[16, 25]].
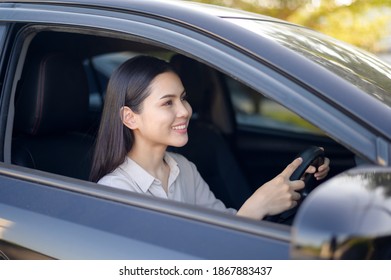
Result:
[[174, 169], [142, 178]]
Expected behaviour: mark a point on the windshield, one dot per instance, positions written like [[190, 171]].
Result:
[[361, 69]]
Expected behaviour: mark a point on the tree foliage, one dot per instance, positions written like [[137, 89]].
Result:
[[360, 22]]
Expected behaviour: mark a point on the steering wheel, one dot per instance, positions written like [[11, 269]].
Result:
[[311, 156]]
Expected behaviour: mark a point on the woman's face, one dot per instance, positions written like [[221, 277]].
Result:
[[165, 113]]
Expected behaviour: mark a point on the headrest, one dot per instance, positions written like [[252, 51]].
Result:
[[194, 78], [53, 95]]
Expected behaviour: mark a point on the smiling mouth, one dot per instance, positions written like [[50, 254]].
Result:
[[179, 127]]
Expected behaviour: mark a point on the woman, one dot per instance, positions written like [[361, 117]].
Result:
[[146, 111]]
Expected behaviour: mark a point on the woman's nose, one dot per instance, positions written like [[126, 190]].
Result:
[[184, 110]]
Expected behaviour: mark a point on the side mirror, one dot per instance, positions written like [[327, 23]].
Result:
[[347, 217]]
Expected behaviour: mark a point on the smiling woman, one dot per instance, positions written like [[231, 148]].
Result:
[[159, 120], [145, 102]]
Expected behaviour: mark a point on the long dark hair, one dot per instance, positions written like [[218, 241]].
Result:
[[128, 86]]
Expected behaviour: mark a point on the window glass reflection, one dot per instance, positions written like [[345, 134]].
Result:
[[362, 69]]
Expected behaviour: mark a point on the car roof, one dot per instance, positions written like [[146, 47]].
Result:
[[186, 11]]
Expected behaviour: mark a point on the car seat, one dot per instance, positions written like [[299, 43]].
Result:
[[51, 112], [207, 148]]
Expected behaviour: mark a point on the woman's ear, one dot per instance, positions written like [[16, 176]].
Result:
[[128, 117]]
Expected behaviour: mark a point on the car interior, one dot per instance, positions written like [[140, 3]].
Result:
[[238, 139]]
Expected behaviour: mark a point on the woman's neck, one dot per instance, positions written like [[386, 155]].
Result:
[[151, 159]]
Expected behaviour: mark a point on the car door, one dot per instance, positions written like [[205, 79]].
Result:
[[45, 215]]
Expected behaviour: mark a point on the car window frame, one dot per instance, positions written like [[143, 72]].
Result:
[[3, 62]]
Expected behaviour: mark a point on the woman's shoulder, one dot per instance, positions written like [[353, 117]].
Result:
[[114, 179], [115, 175], [125, 177]]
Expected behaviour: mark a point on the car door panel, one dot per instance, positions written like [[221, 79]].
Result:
[[88, 226]]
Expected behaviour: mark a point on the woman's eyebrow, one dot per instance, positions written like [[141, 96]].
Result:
[[172, 95]]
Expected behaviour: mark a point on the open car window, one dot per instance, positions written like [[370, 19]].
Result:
[[66, 83]]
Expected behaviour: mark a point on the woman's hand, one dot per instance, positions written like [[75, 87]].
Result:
[[322, 171], [275, 196]]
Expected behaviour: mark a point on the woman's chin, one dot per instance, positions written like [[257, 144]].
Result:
[[179, 144]]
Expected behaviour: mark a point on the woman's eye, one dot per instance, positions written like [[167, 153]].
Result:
[[184, 97], [168, 103]]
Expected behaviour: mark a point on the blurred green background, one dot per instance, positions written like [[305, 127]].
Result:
[[363, 23]]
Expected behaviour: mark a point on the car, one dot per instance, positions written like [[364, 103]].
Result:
[[262, 91]]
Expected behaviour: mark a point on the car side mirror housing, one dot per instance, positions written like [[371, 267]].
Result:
[[347, 217]]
